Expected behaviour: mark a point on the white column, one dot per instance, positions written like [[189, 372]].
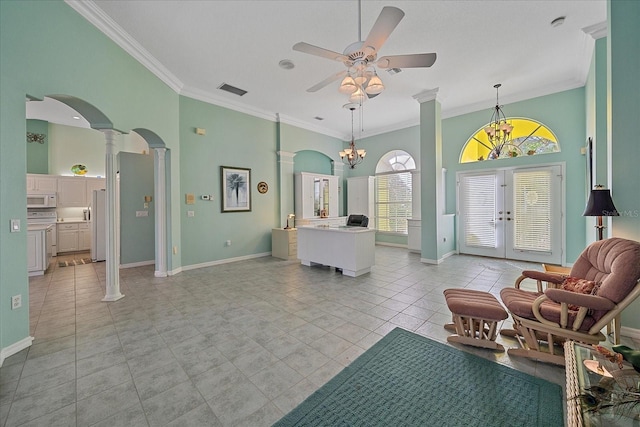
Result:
[[161, 212], [285, 163], [113, 260]]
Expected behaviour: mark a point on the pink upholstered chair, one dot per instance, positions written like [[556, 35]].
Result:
[[542, 319]]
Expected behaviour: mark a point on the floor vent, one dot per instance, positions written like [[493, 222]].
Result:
[[232, 89]]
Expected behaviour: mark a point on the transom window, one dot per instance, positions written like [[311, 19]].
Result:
[[528, 138], [394, 191]]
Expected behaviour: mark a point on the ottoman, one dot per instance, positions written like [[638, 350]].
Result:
[[475, 317]]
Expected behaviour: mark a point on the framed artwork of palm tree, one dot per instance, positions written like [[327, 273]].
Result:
[[236, 189]]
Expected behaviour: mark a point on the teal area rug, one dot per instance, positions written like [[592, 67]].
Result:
[[408, 380]]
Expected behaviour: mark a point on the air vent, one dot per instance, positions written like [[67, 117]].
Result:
[[393, 71], [232, 89], [319, 118]]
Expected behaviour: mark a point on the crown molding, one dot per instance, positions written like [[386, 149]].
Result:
[[597, 31], [313, 128], [426, 95], [96, 16], [210, 98]]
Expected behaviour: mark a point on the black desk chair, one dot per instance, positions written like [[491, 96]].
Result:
[[358, 221]]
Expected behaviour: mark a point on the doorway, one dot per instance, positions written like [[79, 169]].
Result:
[[514, 213]]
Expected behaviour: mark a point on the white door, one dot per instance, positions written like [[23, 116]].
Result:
[[514, 213]]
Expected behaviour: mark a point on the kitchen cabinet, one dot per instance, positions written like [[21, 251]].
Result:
[[39, 183], [315, 194], [361, 197], [74, 237], [84, 237], [38, 249], [284, 243], [76, 191]]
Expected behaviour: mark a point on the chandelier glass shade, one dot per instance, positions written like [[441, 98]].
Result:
[[498, 130], [352, 156], [359, 82], [348, 85]]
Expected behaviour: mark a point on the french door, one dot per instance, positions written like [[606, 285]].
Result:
[[512, 213]]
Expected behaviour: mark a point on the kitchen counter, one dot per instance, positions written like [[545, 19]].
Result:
[[71, 220], [39, 227]]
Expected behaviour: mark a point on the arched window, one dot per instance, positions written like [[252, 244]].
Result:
[[528, 138], [394, 191]]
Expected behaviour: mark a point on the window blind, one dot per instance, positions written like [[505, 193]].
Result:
[[532, 213], [393, 202], [479, 200]]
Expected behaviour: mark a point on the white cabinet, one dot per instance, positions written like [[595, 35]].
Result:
[[84, 237], [361, 197], [72, 192], [68, 238], [38, 250], [284, 243], [38, 183], [414, 237], [315, 194], [75, 191]]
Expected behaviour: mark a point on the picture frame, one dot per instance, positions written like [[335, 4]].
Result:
[[236, 189]]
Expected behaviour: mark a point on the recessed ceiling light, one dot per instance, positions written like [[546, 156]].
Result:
[[558, 21], [286, 64]]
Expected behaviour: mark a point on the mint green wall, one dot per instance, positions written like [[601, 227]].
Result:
[[624, 126], [232, 139], [38, 154], [312, 161], [80, 61], [137, 234], [600, 139]]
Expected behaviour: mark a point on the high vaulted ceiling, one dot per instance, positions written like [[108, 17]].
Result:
[[195, 46]]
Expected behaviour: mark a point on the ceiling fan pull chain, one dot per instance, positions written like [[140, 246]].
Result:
[[359, 20]]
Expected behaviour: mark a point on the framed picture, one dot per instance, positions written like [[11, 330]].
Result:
[[236, 189]]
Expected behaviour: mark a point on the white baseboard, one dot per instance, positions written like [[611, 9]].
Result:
[[15, 348], [138, 264], [438, 261], [630, 332], [224, 261], [174, 271], [394, 245]]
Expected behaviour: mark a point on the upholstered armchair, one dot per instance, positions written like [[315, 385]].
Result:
[[603, 281]]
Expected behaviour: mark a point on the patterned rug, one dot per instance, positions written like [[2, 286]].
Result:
[[74, 262], [408, 380]]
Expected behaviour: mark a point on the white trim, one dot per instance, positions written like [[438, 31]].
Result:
[[438, 261], [597, 31], [427, 95], [103, 22], [174, 271], [210, 98], [224, 261], [137, 264], [394, 245], [314, 128], [14, 348], [630, 332]]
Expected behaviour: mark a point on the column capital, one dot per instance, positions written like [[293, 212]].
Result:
[[426, 95], [597, 31]]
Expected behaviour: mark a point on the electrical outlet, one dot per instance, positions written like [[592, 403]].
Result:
[[142, 213], [16, 302], [228, 243], [191, 213]]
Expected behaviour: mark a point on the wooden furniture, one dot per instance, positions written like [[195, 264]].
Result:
[[475, 315], [351, 249], [284, 243], [587, 369], [361, 197], [73, 236], [315, 193]]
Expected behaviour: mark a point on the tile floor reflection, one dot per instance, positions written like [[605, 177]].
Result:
[[239, 344]]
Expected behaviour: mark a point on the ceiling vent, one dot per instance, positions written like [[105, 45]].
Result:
[[319, 118], [232, 89], [393, 71]]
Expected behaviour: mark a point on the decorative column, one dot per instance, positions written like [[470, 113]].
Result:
[[285, 164], [160, 192], [338, 170], [430, 175], [113, 260]]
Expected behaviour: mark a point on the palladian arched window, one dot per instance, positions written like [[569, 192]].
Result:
[[394, 191], [528, 138]]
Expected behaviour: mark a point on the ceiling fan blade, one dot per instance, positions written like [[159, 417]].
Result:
[[417, 60], [327, 81], [387, 21], [318, 51]]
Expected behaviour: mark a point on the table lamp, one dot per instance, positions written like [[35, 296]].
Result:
[[599, 205]]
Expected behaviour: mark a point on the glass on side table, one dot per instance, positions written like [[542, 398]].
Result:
[[599, 391]]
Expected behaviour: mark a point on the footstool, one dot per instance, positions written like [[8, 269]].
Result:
[[475, 317]]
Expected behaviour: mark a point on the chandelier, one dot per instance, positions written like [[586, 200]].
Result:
[[361, 82], [499, 130], [352, 156]]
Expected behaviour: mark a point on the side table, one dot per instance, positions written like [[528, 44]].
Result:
[[596, 386]]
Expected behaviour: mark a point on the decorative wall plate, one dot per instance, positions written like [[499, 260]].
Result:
[[262, 187], [79, 169]]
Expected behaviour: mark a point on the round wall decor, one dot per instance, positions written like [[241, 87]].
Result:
[[263, 187]]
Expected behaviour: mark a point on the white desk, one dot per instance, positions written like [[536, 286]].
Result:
[[351, 249]]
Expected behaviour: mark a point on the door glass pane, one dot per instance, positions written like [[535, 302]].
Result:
[[479, 201], [316, 197], [532, 210], [325, 196]]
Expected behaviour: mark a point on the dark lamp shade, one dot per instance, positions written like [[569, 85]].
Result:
[[600, 204]]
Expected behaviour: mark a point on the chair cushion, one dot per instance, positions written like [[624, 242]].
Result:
[[520, 303], [474, 303], [579, 286]]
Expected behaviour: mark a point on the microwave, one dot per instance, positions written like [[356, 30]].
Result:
[[44, 200]]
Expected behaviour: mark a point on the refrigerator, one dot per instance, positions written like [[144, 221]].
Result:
[[97, 212]]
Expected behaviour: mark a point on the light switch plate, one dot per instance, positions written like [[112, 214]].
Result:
[[15, 225]]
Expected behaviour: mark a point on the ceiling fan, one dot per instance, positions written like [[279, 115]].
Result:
[[361, 58]]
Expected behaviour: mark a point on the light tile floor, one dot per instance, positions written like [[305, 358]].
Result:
[[239, 344]]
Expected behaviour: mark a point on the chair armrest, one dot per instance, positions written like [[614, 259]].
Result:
[[583, 300], [544, 276]]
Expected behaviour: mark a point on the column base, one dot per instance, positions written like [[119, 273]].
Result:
[[110, 298]]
